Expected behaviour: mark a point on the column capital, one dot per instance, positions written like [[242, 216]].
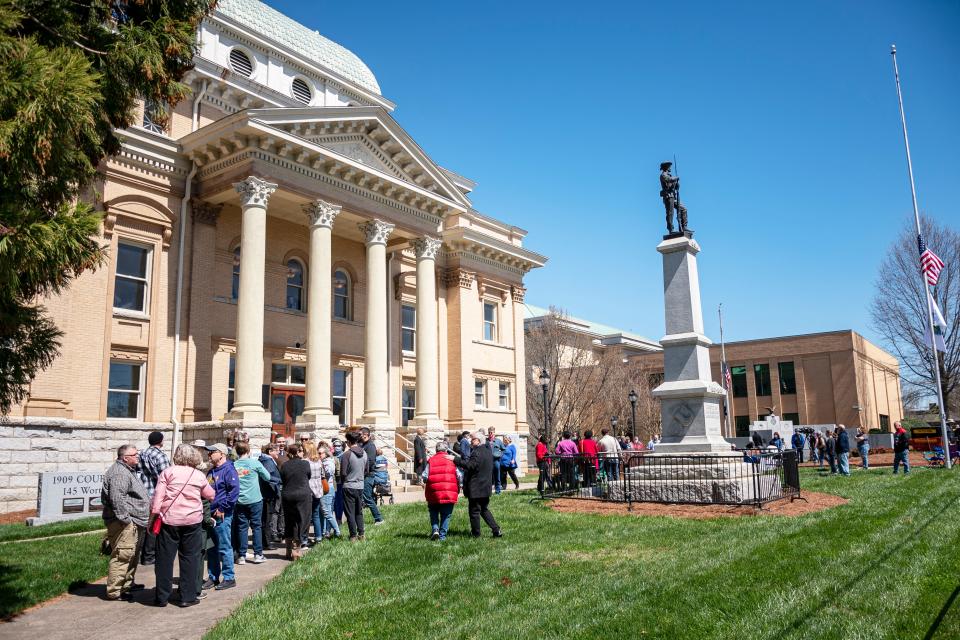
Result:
[[376, 231], [427, 248], [205, 212], [254, 191], [321, 213]]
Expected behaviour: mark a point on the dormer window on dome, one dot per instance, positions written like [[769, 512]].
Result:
[[301, 90], [241, 63]]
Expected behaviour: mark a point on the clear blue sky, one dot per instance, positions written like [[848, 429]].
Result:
[[783, 118]]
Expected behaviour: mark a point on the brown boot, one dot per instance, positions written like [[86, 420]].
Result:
[[290, 548]]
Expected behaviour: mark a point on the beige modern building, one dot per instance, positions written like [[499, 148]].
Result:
[[836, 377], [283, 255]]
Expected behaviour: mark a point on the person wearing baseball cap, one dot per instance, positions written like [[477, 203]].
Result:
[[226, 483]]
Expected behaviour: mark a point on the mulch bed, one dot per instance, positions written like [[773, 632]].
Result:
[[814, 502], [17, 517], [876, 460]]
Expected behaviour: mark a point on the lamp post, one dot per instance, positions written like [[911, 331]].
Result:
[[613, 423], [632, 397], [544, 385]]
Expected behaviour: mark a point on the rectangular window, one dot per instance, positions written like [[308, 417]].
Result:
[[490, 321], [738, 376], [231, 382], [288, 374], [792, 417], [761, 378], [742, 423], [504, 395], [408, 327], [130, 286], [409, 402], [339, 395], [884, 423], [124, 390], [788, 378], [479, 393]]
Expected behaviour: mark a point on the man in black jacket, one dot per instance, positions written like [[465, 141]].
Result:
[[476, 484], [369, 482], [419, 453]]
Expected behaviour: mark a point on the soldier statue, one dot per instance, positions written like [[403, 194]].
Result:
[[670, 192]]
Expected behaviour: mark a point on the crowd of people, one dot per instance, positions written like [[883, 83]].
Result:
[[226, 505], [832, 448]]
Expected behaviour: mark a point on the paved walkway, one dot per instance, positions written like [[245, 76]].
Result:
[[85, 615]]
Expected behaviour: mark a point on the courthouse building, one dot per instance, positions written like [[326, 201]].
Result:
[[283, 256]]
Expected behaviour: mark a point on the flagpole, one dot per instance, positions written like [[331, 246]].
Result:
[[724, 365], [926, 285]]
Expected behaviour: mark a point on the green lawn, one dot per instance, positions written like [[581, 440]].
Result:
[[883, 566], [21, 531], [37, 570]]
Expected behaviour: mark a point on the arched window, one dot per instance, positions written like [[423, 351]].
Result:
[[295, 285], [235, 283], [341, 295]]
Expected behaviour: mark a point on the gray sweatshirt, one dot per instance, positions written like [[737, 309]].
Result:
[[124, 497], [353, 466]]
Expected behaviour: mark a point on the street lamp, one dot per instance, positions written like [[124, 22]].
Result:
[[544, 385], [613, 423], [633, 410]]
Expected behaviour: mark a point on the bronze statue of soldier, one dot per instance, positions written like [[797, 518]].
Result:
[[670, 193]]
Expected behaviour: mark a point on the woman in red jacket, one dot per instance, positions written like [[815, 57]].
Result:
[[588, 448], [543, 464], [442, 478]]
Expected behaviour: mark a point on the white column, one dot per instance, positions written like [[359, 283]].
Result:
[[376, 410], [254, 194], [321, 215], [427, 411]]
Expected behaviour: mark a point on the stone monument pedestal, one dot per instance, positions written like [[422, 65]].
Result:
[[690, 400], [702, 479]]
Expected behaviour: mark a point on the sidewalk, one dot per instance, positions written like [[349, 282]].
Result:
[[85, 615]]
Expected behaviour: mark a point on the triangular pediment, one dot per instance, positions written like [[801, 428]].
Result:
[[359, 148], [368, 136]]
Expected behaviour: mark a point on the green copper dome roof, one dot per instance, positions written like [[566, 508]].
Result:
[[269, 22]]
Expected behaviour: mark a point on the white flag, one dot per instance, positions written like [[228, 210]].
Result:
[[939, 326]]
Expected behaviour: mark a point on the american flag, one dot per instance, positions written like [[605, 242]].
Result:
[[930, 263], [726, 376]]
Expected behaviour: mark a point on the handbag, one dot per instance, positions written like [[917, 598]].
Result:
[[326, 486], [158, 521]]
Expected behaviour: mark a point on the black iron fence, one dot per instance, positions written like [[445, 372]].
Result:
[[741, 478]]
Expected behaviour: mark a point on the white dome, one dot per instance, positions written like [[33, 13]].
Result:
[[289, 33]]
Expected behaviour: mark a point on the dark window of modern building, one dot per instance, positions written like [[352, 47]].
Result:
[[788, 378], [884, 423], [761, 378], [738, 376], [742, 424], [792, 417]]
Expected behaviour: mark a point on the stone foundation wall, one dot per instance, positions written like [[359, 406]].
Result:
[[32, 445]]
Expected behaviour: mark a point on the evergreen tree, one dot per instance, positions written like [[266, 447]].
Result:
[[73, 74]]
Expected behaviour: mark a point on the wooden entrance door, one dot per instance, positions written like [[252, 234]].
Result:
[[285, 406]]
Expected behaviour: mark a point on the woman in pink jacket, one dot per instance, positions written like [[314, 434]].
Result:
[[178, 502]]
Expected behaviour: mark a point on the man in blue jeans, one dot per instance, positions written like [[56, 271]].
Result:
[[225, 482], [369, 481], [497, 447], [843, 450], [901, 450]]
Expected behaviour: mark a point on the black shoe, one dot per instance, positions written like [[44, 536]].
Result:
[[498, 533], [475, 535], [270, 547], [126, 597], [136, 587], [435, 535], [157, 603], [184, 605], [209, 584], [148, 563], [226, 584]]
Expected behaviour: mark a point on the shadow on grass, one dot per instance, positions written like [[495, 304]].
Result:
[[803, 617], [943, 614]]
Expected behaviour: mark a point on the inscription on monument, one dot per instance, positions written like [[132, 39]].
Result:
[[66, 495]]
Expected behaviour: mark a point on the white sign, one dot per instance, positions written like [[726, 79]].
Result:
[[68, 495]]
